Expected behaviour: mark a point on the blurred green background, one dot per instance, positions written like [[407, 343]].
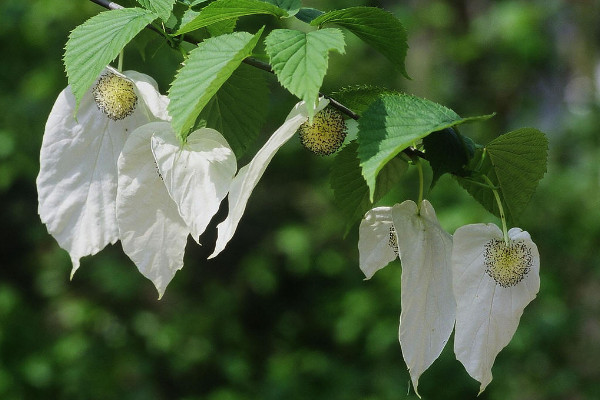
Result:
[[284, 313]]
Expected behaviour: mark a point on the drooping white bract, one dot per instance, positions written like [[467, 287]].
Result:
[[77, 182], [197, 175], [427, 300], [493, 282], [249, 175], [377, 241], [152, 231]]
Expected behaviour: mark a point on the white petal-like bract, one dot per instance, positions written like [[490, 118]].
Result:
[[152, 232], [197, 175], [77, 182], [377, 241], [427, 300], [248, 176], [492, 284]]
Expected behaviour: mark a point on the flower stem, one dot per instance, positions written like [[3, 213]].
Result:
[[500, 208], [120, 62], [420, 169]]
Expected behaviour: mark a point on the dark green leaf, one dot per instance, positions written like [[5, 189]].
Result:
[[239, 108], [351, 193], [376, 27]]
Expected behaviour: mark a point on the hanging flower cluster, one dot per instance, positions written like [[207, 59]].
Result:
[[116, 171], [477, 283]]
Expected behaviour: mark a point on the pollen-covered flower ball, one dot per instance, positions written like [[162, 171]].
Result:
[[326, 133], [114, 96]]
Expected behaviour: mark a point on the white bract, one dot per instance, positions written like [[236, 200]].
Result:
[[77, 182], [427, 300], [377, 241], [493, 282], [248, 176], [161, 181]]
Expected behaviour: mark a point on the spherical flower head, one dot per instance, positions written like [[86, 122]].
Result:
[[114, 95], [507, 264], [325, 134]]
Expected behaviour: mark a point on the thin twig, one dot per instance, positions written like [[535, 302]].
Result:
[[249, 60]]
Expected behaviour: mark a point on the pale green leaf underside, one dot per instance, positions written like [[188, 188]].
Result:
[[519, 159], [351, 193], [393, 123], [376, 27], [162, 8], [222, 10], [207, 67], [291, 6], [98, 41], [300, 59], [239, 108]]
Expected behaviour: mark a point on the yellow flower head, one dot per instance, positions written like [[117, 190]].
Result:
[[114, 96], [326, 133]]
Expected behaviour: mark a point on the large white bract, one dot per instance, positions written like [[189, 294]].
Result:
[[77, 182], [493, 282], [427, 300]]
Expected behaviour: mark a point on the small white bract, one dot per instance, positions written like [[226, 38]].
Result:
[[248, 176], [77, 182], [427, 300], [493, 282], [158, 209]]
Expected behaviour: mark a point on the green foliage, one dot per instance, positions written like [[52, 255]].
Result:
[[359, 98], [394, 122], [517, 162], [379, 28], [204, 71], [291, 6], [222, 10], [98, 41], [162, 8], [350, 191], [447, 152], [300, 59], [239, 109], [307, 14]]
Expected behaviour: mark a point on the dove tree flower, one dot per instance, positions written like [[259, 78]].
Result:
[[428, 308], [494, 277], [167, 191], [77, 182], [248, 176]]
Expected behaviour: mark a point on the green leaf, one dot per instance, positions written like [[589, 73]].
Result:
[[351, 193], [291, 6], [476, 186], [204, 71], [376, 27], [162, 8], [519, 159], [239, 108], [300, 60], [359, 98], [515, 162], [447, 152], [222, 10], [393, 123], [307, 14], [98, 41]]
